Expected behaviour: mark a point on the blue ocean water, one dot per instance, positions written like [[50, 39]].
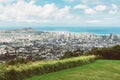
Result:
[[96, 30]]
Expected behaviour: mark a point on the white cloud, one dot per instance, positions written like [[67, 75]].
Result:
[[80, 6], [93, 21], [112, 12], [32, 2], [114, 6], [4, 1], [90, 11], [100, 7], [108, 18], [22, 11], [69, 1], [114, 9]]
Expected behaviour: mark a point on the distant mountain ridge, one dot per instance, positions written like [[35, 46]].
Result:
[[24, 30]]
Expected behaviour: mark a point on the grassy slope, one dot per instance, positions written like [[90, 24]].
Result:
[[99, 70]]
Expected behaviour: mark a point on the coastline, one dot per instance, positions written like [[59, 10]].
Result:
[[77, 30]]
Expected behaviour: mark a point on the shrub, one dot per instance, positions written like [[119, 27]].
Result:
[[107, 53], [75, 53], [17, 61], [15, 72]]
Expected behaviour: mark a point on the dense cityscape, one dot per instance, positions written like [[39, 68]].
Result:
[[28, 43]]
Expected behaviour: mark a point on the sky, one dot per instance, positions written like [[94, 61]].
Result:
[[28, 13]]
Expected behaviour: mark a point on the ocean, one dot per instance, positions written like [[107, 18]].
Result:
[[96, 30]]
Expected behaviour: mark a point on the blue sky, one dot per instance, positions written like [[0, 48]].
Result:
[[24, 13]]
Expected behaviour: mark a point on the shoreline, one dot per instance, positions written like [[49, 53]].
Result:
[[76, 30]]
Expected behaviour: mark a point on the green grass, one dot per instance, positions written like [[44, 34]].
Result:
[[99, 70]]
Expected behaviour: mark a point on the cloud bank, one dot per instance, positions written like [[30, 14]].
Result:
[[81, 13]]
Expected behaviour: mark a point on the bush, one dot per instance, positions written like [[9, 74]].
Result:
[[107, 53], [22, 71], [75, 53], [17, 61]]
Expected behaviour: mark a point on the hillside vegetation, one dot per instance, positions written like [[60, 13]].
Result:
[[21, 71], [112, 53]]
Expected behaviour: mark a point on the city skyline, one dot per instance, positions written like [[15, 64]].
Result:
[[24, 13]]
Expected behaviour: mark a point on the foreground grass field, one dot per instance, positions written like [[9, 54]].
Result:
[[99, 70]]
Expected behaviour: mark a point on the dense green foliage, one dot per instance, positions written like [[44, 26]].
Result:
[[107, 53], [21, 71], [99, 70], [17, 61], [75, 53]]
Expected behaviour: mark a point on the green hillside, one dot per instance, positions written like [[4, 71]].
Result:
[[99, 70]]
